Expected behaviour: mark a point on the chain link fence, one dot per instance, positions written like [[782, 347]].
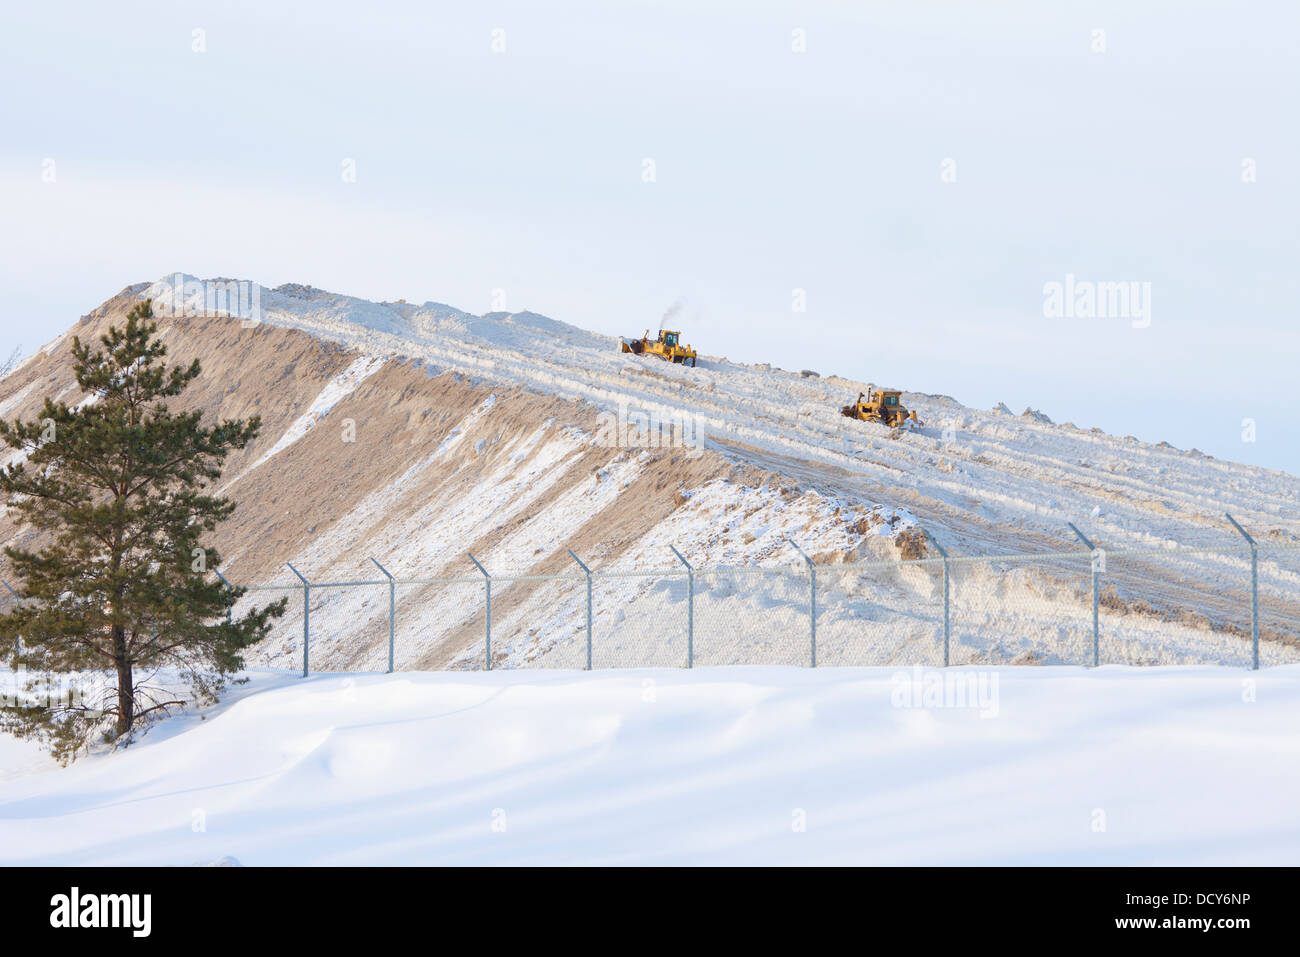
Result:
[[1235, 606]]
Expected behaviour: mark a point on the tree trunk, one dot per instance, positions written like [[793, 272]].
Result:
[[125, 682]]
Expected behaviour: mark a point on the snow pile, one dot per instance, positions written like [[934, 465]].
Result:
[[483, 477], [985, 482], [736, 766], [987, 477]]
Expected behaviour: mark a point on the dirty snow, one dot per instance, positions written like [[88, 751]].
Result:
[[981, 481], [988, 480], [338, 388], [984, 482]]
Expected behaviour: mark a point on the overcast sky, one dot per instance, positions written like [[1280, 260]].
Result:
[[913, 175]]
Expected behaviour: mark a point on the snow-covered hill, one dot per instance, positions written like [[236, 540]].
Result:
[[716, 766], [982, 481], [417, 434], [989, 478]]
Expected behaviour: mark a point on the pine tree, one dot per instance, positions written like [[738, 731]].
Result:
[[117, 488]]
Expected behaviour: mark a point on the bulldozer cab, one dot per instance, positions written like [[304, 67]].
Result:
[[884, 405], [667, 345]]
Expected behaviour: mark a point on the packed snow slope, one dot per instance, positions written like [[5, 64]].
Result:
[[742, 766], [415, 434]]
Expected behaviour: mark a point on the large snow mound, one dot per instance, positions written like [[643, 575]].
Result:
[[989, 481], [712, 766]]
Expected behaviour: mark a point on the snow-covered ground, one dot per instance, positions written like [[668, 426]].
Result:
[[738, 765]]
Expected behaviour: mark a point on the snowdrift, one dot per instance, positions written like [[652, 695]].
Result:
[[712, 766]]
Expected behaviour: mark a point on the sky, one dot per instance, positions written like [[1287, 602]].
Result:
[[886, 191]]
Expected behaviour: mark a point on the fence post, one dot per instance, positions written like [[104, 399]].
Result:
[[487, 626], [392, 612], [306, 616], [946, 630], [223, 581], [1254, 592], [690, 608], [588, 571], [812, 602], [1096, 625]]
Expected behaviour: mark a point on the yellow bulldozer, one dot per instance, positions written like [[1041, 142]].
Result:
[[668, 346], [883, 405]]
